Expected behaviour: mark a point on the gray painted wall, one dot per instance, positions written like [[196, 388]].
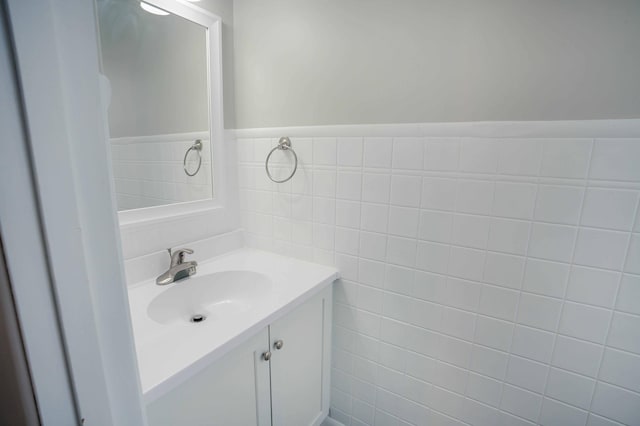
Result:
[[310, 62]]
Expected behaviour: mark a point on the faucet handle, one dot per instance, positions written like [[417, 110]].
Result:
[[177, 257]]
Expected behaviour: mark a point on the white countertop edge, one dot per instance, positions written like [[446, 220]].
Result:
[[162, 388]]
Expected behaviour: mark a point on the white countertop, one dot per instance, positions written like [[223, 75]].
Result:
[[170, 354]]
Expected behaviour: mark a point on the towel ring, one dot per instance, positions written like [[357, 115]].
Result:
[[197, 146], [284, 144]]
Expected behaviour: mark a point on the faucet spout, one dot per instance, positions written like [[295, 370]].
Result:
[[178, 268]]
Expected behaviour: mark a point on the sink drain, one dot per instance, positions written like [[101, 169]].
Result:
[[198, 318]]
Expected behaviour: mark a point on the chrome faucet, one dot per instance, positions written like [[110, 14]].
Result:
[[178, 269]]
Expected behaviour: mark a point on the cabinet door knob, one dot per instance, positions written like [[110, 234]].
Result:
[[266, 356], [278, 344]]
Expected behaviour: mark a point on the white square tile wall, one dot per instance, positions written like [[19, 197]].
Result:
[[485, 281], [148, 170]]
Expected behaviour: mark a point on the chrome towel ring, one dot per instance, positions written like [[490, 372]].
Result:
[[284, 144], [197, 147]]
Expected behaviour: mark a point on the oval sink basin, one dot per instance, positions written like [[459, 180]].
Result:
[[209, 297]]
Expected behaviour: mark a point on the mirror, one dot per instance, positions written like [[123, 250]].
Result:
[[159, 114]]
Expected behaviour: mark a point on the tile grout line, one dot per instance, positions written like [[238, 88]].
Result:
[[613, 308], [517, 310], [571, 264], [484, 268], [388, 204]]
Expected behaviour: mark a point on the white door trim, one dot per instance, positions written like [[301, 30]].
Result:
[[25, 255], [57, 61]]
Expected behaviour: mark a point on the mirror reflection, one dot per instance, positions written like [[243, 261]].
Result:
[[156, 65]]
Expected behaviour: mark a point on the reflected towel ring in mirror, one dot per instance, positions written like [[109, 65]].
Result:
[[284, 144], [197, 147]]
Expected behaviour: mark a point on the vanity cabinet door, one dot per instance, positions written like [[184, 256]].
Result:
[[233, 391], [300, 368]]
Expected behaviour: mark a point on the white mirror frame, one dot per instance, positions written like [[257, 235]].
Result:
[[213, 25]]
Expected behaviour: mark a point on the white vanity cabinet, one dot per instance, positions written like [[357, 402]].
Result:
[[229, 392], [300, 369], [279, 377]]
